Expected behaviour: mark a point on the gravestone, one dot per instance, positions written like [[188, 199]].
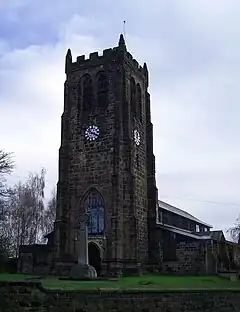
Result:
[[82, 269]]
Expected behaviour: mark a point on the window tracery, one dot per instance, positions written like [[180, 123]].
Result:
[[94, 206]]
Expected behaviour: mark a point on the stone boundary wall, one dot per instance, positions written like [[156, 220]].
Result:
[[31, 296]]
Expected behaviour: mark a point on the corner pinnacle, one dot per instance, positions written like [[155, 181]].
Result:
[[68, 61], [145, 72], [69, 54], [121, 41], [145, 67]]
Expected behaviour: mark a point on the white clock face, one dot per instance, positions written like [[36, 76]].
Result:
[[137, 139], [92, 133]]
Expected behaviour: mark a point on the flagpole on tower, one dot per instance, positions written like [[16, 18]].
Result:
[[124, 29]]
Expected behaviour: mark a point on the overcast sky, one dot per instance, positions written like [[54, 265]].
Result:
[[193, 53]]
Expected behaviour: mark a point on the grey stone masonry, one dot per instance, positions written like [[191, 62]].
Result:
[[120, 168]]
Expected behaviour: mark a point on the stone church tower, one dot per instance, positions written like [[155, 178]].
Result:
[[106, 161]]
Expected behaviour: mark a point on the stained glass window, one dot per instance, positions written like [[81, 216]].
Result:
[[94, 206]]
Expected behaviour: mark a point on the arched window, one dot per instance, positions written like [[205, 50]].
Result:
[[133, 96], [87, 92], [79, 85], [102, 90], [139, 102], [94, 206]]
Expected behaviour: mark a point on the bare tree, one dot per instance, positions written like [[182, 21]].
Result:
[[24, 213], [49, 214], [6, 167], [235, 231], [6, 162]]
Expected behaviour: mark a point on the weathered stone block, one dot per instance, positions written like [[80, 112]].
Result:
[[81, 271]]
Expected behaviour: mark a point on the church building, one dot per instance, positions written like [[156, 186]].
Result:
[[106, 161], [107, 172]]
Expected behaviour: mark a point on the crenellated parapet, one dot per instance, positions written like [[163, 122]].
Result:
[[117, 54]]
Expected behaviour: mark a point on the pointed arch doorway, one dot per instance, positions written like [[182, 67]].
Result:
[[94, 257]]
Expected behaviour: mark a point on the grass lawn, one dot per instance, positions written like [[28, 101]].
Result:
[[9, 277], [139, 282]]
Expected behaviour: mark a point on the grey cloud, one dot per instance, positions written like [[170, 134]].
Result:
[[193, 57]]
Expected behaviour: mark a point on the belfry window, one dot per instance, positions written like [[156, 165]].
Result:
[[102, 90], [133, 99], [94, 207], [139, 102], [87, 92]]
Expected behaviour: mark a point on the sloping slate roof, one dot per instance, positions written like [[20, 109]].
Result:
[[184, 232], [181, 213], [215, 235]]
